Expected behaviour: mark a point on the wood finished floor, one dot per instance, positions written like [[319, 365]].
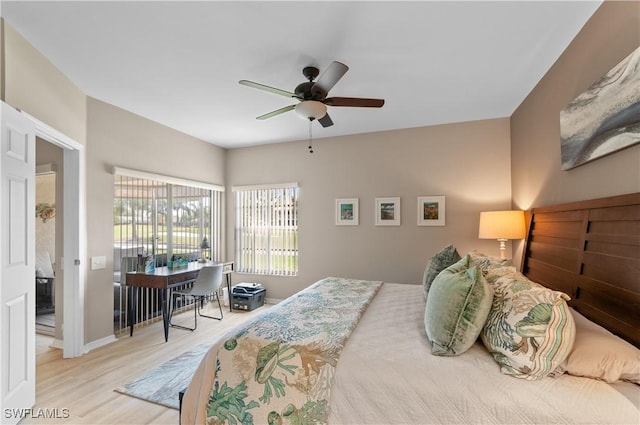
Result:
[[85, 385]]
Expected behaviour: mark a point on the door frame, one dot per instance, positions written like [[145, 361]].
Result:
[[74, 236]]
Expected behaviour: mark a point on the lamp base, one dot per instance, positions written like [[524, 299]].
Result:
[[503, 248]]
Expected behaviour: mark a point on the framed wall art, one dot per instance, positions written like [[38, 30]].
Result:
[[431, 211], [605, 118], [387, 212], [347, 212]]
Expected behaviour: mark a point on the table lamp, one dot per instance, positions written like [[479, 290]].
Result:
[[502, 225], [204, 245]]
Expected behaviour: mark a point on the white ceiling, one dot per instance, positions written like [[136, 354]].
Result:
[[178, 63]]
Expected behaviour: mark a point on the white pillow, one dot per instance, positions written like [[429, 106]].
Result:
[[599, 354]]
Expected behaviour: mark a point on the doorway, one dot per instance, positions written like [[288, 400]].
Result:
[[70, 210], [49, 241], [45, 251]]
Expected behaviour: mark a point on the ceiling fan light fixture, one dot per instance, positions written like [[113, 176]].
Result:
[[311, 109]]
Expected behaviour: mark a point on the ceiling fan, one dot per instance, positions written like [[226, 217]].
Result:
[[312, 96]]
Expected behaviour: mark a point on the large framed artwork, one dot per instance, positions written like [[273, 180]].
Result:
[[605, 118], [431, 211], [347, 212], [387, 211]]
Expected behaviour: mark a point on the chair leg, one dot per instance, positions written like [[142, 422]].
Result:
[[219, 306], [195, 315]]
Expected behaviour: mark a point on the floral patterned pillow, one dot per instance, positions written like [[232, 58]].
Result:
[[496, 273], [530, 330], [487, 264]]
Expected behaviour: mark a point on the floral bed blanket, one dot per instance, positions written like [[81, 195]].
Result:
[[279, 369]]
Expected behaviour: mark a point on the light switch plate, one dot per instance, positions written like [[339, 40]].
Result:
[[98, 263]]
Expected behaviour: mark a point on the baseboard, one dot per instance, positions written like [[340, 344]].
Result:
[[99, 343], [45, 330], [57, 343], [272, 301]]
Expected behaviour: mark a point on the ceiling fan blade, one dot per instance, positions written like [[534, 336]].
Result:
[[354, 101], [276, 112], [328, 79], [267, 88], [325, 121]]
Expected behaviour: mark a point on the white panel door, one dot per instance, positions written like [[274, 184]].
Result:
[[17, 265]]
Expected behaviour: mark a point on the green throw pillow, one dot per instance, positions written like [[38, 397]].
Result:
[[457, 308], [436, 264]]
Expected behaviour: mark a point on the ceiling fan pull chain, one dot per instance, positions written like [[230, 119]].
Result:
[[310, 137]]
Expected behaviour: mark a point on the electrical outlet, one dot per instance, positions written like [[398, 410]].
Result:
[[98, 263]]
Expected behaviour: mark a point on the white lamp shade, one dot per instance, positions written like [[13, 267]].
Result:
[[311, 109], [502, 225]]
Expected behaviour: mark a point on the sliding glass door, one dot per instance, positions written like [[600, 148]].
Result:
[[165, 220]]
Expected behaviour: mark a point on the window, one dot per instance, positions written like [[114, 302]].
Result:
[[163, 217], [166, 217], [267, 229]]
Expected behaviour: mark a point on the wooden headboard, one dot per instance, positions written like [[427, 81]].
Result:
[[591, 251]]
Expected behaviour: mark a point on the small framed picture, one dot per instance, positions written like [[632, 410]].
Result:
[[387, 211], [431, 211], [347, 212]]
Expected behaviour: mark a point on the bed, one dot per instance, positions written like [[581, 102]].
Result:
[[372, 361]]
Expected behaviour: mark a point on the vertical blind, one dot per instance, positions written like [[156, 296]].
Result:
[[267, 229], [165, 219]]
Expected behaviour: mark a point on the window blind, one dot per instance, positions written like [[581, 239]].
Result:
[[162, 217], [267, 229]]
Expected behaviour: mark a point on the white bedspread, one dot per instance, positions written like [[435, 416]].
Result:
[[387, 375]]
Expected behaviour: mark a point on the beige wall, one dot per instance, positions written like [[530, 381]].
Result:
[[34, 85], [612, 33], [46, 228], [2, 60], [466, 162], [119, 138]]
